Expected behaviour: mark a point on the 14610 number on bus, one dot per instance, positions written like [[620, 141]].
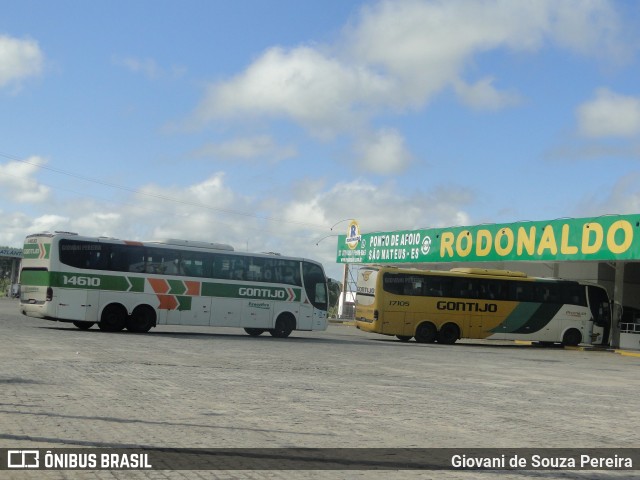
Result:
[[80, 281]]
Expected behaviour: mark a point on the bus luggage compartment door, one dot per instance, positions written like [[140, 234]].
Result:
[[393, 322], [78, 304], [199, 313]]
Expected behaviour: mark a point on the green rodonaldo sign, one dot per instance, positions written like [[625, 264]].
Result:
[[612, 237]]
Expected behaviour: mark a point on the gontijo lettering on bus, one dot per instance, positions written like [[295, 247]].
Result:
[[611, 237]]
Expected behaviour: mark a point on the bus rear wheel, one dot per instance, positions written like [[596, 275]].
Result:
[[426, 333], [83, 325], [572, 337], [284, 326], [142, 319], [448, 334], [254, 332], [113, 318]]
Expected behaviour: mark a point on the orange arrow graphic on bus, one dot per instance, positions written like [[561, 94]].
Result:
[[193, 288], [159, 285], [167, 302], [162, 287]]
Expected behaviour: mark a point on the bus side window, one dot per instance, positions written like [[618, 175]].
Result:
[[465, 288], [295, 273], [391, 283], [412, 286], [254, 271], [238, 270], [486, 291], [222, 267], [522, 292], [432, 287]]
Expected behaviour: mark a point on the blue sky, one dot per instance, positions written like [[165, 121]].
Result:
[[263, 124]]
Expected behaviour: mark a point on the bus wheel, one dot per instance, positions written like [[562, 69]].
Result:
[[426, 333], [572, 337], [83, 325], [142, 319], [284, 327], [448, 334], [113, 319], [403, 338], [254, 332]]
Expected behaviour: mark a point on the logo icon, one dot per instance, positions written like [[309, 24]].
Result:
[[426, 245], [23, 459], [353, 235]]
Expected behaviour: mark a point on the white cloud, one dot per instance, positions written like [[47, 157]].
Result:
[[610, 114], [483, 95], [211, 211], [425, 45], [258, 146], [383, 152], [303, 84], [148, 67], [398, 55], [18, 184], [19, 59], [622, 198]]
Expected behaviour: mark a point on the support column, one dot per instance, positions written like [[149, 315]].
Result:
[[618, 290], [343, 294], [14, 270]]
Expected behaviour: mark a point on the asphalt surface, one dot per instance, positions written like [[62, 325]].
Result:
[[196, 387]]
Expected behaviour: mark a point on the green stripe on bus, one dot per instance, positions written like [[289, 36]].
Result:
[[176, 287], [184, 303], [251, 291], [121, 283], [528, 318]]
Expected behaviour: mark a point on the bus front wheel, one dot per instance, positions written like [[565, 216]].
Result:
[[113, 318], [448, 334], [572, 337], [284, 326], [142, 319], [403, 338], [254, 332], [426, 333]]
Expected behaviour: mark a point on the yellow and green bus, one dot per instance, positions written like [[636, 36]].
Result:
[[120, 284], [476, 303]]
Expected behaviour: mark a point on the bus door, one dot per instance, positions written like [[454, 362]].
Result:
[[600, 311]]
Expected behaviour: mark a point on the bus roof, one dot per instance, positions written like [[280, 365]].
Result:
[[474, 271], [187, 244], [192, 243], [494, 272]]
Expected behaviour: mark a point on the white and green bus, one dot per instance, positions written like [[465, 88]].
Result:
[[120, 284]]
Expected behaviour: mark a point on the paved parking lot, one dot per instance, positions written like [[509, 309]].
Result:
[[194, 387]]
